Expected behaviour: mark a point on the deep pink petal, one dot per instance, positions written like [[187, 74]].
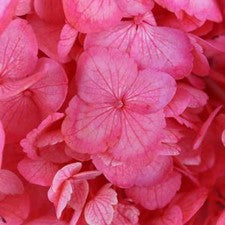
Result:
[[50, 11], [38, 172], [125, 215], [15, 209], [158, 196], [67, 39], [10, 184], [18, 50], [191, 202], [171, 216]]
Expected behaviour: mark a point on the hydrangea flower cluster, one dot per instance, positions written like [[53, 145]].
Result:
[[111, 112]]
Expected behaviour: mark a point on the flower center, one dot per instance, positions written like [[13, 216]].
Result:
[[119, 104]]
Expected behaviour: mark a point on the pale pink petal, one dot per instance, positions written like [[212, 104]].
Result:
[[91, 15], [158, 196], [99, 211], [2, 142], [204, 128], [191, 202], [7, 10], [10, 184], [24, 7], [65, 173], [50, 11], [15, 209], [90, 129], [171, 216], [64, 198], [18, 50], [38, 172], [67, 39], [87, 175]]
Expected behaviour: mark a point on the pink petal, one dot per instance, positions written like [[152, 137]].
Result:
[[38, 172], [174, 5], [171, 216], [47, 35], [100, 80], [198, 98], [135, 7], [10, 184], [157, 91], [7, 10], [139, 136], [152, 43], [191, 202], [67, 39], [80, 194], [178, 104], [50, 11], [18, 50], [15, 209], [91, 15], [146, 44], [24, 7], [50, 92], [43, 136], [41, 99], [126, 175], [204, 128], [158, 196], [202, 9], [125, 215], [65, 173], [221, 219], [200, 64], [90, 129], [99, 211]]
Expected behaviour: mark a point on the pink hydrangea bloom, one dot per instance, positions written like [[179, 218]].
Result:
[[112, 112]]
